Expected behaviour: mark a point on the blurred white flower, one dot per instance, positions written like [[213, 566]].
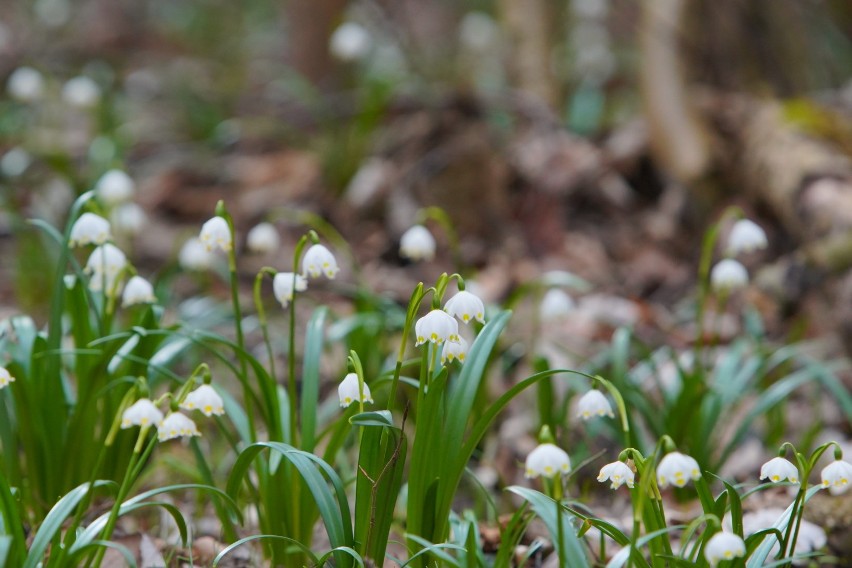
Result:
[[319, 260], [811, 537], [547, 460], [417, 243], [143, 412], [727, 275], [836, 476], [348, 392], [89, 229], [263, 238], [81, 92], [594, 403], [746, 236], [466, 307], [779, 469], [350, 42], [26, 84], [618, 473], [15, 162], [194, 255], [454, 350], [138, 291], [555, 305], [5, 377], [479, 32], [437, 327], [115, 187], [205, 399], [216, 234], [105, 265], [677, 469], [176, 425], [282, 286], [128, 218], [723, 546]]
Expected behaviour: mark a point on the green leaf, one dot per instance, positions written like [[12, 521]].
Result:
[[311, 377], [758, 558], [228, 549], [545, 508]]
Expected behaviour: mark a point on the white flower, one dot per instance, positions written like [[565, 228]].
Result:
[[466, 307], [348, 391], [746, 236], [81, 92], [437, 326], [205, 399], [128, 218], [89, 229], [194, 255], [319, 260], [836, 476], [282, 286], [5, 377], [350, 42], [15, 162], [115, 187], [594, 403], [417, 243], [176, 425], [547, 460], [216, 234], [811, 537], [728, 274], [454, 350], [105, 264], [138, 291], [617, 472], [779, 469], [26, 84], [723, 546], [143, 412], [555, 305], [263, 238], [677, 469]]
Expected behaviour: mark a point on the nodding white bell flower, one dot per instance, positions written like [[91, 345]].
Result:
[[15, 162], [677, 469], [26, 84], [417, 243], [319, 260], [466, 307], [176, 425], [105, 265], [723, 546], [282, 286], [263, 238], [618, 473], [454, 350], [779, 469], [350, 42], [138, 291], [746, 236], [547, 460], [194, 255], [727, 275], [216, 234], [89, 229], [555, 305], [115, 187], [348, 392], [143, 412], [128, 218], [205, 399], [5, 377], [594, 403], [437, 327], [836, 475], [81, 92]]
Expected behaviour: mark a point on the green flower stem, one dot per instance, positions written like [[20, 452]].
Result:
[[261, 314], [413, 306], [291, 349]]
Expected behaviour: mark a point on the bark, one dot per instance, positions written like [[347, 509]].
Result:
[[310, 24], [528, 24]]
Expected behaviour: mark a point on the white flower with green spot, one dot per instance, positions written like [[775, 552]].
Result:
[[143, 412], [723, 546], [105, 265], [348, 391], [454, 350], [618, 473], [436, 327], [216, 234], [205, 399], [138, 291], [779, 469], [283, 286], [547, 460], [89, 229], [836, 475], [677, 469], [594, 403], [728, 275], [317, 261], [5, 377], [115, 187], [746, 236], [176, 425], [466, 306], [194, 255], [417, 243]]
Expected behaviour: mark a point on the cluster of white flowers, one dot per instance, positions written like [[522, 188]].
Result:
[[145, 413]]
